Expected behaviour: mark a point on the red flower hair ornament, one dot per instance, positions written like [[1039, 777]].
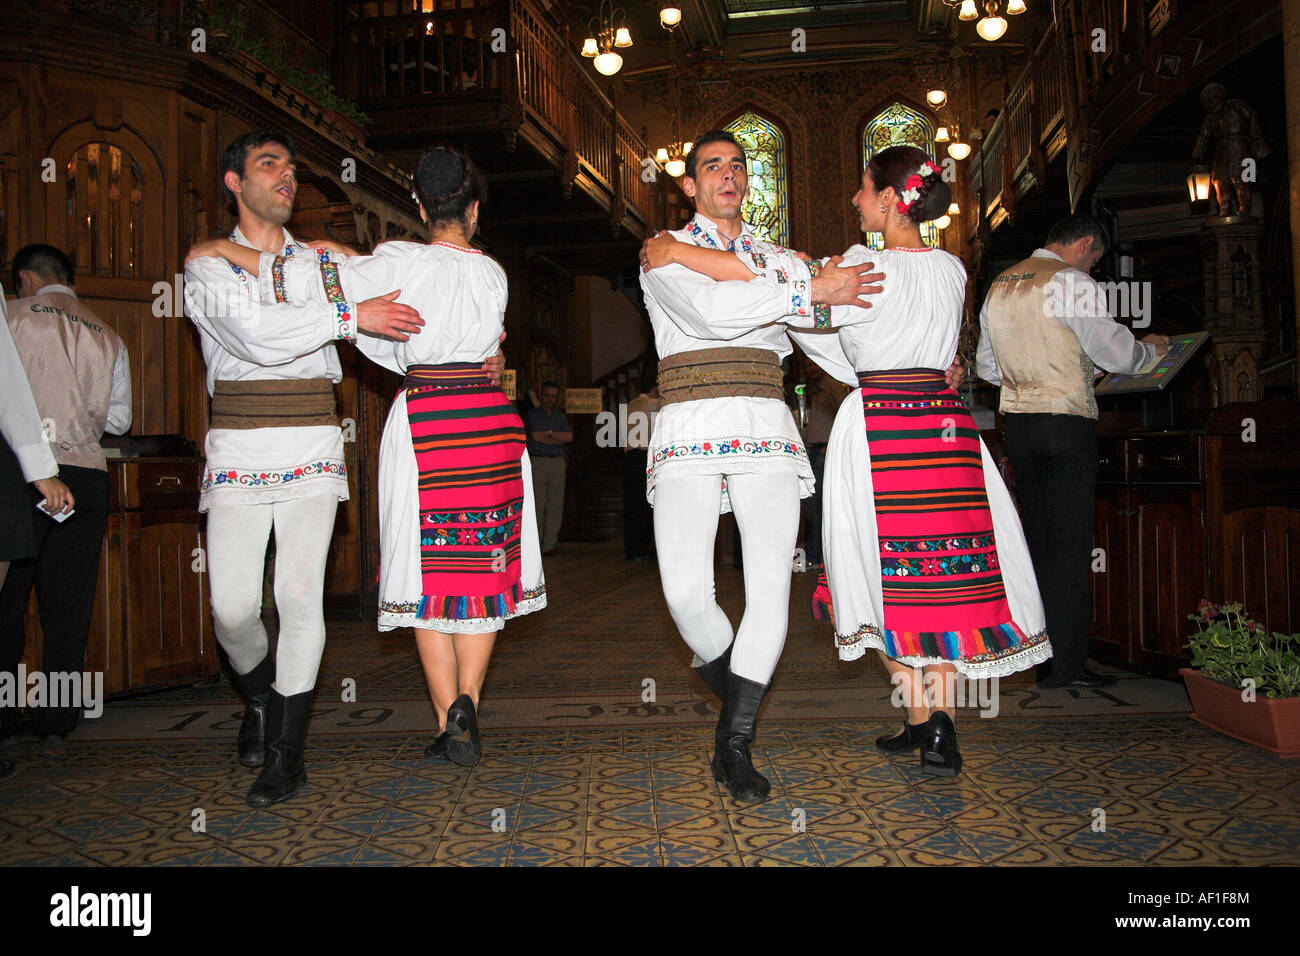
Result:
[[912, 188]]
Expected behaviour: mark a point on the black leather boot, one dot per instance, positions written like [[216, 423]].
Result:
[[283, 773], [913, 736], [463, 746], [939, 754], [732, 765], [256, 685], [714, 673]]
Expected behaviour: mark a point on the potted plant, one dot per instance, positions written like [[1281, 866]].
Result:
[[1244, 682]]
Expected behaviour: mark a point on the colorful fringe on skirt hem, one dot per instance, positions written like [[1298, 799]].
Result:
[[461, 607], [955, 645]]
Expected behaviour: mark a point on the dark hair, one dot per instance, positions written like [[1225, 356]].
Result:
[[548, 384], [712, 136], [236, 155], [447, 183], [893, 166], [46, 261], [1072, 228]]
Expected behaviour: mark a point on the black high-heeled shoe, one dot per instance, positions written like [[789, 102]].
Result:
[[939, 753], [911, 737], [463, 746], [437, 749]]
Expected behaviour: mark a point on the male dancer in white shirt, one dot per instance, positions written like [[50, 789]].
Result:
[[274, 452], [1043, 327], [725, 441]]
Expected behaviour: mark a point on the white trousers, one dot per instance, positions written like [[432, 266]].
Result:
[[237, 538], [766, 506]]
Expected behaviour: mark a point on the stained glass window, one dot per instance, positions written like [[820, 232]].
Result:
[[899, 125], [765, 148]]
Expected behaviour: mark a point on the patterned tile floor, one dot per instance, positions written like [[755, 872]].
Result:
[[1136, 783]]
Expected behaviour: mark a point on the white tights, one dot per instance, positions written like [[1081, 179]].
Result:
[[766, 505], [237, 538]]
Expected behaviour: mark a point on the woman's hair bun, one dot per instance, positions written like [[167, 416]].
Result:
[[440, 173], [895, 165], [447, 183]]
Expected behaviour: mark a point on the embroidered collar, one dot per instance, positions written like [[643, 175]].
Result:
[[290, 244], [701, 229], [452, 245]]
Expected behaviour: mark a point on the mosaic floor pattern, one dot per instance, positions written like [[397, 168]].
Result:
[[1065, 782]]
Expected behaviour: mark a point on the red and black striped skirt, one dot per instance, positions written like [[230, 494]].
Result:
[[941, 584], [469, 442]]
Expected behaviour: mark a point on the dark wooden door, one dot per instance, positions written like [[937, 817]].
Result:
[[1112, 574], [168, 616], [1171, 573]]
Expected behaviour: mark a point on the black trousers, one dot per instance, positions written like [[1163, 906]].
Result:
[[638, 516], [1055, 462], [812, 507], [65, 571]]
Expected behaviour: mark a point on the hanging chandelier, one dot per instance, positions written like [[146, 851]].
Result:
[[991, 25], [673, 156], [608, 30], [957, 149]]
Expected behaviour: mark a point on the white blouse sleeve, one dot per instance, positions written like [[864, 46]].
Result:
[[823, 346], [306, 279]]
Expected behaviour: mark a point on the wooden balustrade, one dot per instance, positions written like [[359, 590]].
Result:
[[403, 49], [400, 50], [632, 151]]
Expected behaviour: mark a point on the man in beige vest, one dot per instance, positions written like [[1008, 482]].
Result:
[[81, 379], [1044, 331]]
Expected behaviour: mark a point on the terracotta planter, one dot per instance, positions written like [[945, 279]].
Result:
[[1271, 725]]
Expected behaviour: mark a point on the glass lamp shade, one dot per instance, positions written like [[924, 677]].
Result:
[[622, 37], [959, 150], [1198, 189], [670, 16], [954, 210], [936, 98], [608, 64], [686, 148], [943, 222], [941, 135], [991, 28], [589, 47], [1198, 184], [661, 156], [1016, 7], [675, 167], [967, 11]]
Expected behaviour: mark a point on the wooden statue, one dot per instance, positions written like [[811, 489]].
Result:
[[1233, 129]]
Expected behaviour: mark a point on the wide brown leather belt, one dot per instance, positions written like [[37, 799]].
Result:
[[720, 373], [288, 403]]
